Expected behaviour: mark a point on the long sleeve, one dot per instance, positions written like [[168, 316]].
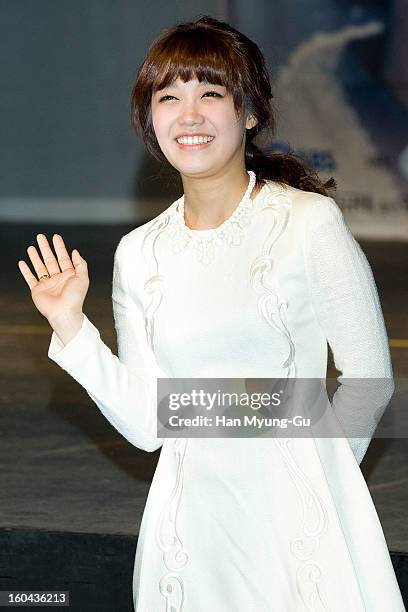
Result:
[[124, 386], [345, 300]]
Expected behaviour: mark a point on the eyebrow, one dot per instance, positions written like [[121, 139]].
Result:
[[200, 84]]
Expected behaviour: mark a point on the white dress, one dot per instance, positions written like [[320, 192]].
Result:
[[247, 524]]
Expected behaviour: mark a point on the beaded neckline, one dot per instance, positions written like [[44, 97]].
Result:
[[204, 242]]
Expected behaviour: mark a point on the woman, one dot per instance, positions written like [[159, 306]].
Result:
[[250, 273]]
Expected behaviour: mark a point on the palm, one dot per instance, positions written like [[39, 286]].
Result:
[[60, 291], [68, 283]]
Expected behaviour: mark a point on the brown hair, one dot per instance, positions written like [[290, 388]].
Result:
[[212, 50]]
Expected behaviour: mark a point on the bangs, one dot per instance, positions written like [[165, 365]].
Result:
[[196, 55]]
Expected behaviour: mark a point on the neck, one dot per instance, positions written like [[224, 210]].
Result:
[[209, 201]]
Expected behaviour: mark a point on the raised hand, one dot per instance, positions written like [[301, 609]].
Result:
[[61, 283]]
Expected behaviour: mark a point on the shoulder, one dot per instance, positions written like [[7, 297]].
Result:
[[303, 201], [308, 208], [132, 241], [130, 266]]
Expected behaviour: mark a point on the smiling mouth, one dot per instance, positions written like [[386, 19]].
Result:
[[194, 143]]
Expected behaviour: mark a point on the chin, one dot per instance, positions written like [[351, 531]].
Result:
[[194, 169]]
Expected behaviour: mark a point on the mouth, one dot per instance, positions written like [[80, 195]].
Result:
[[194, 143]]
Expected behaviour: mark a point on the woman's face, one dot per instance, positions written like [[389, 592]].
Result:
[[205, 110]]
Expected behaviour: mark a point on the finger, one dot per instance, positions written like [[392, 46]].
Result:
[[48, 256], [81, 267], [64, 259], [37, 262], [29, 277]]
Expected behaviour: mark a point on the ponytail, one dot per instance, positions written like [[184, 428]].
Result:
[[286, 169]]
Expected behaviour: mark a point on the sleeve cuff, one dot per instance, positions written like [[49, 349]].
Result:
[[78, 348]]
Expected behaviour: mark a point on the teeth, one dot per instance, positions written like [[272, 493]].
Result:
[[194, 139]]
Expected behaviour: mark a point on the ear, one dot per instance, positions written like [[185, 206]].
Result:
[[250, 122]]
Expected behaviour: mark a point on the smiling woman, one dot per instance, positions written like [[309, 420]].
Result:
[[250, 274]]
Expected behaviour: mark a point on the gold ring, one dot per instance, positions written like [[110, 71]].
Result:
[[44, 276]]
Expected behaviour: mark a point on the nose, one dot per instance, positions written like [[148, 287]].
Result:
[[190, 115]]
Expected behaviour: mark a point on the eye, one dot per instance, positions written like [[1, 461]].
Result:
[[213, 92], [163, 98]]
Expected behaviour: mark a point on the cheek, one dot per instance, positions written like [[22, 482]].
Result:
[[159, 122], [161, 126], [156, 124], [227, 122], [232, 129]]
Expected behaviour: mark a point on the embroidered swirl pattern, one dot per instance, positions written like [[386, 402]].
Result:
[[314, 524], [273, 309], [270, 306], [168, 539], [154, 286]]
